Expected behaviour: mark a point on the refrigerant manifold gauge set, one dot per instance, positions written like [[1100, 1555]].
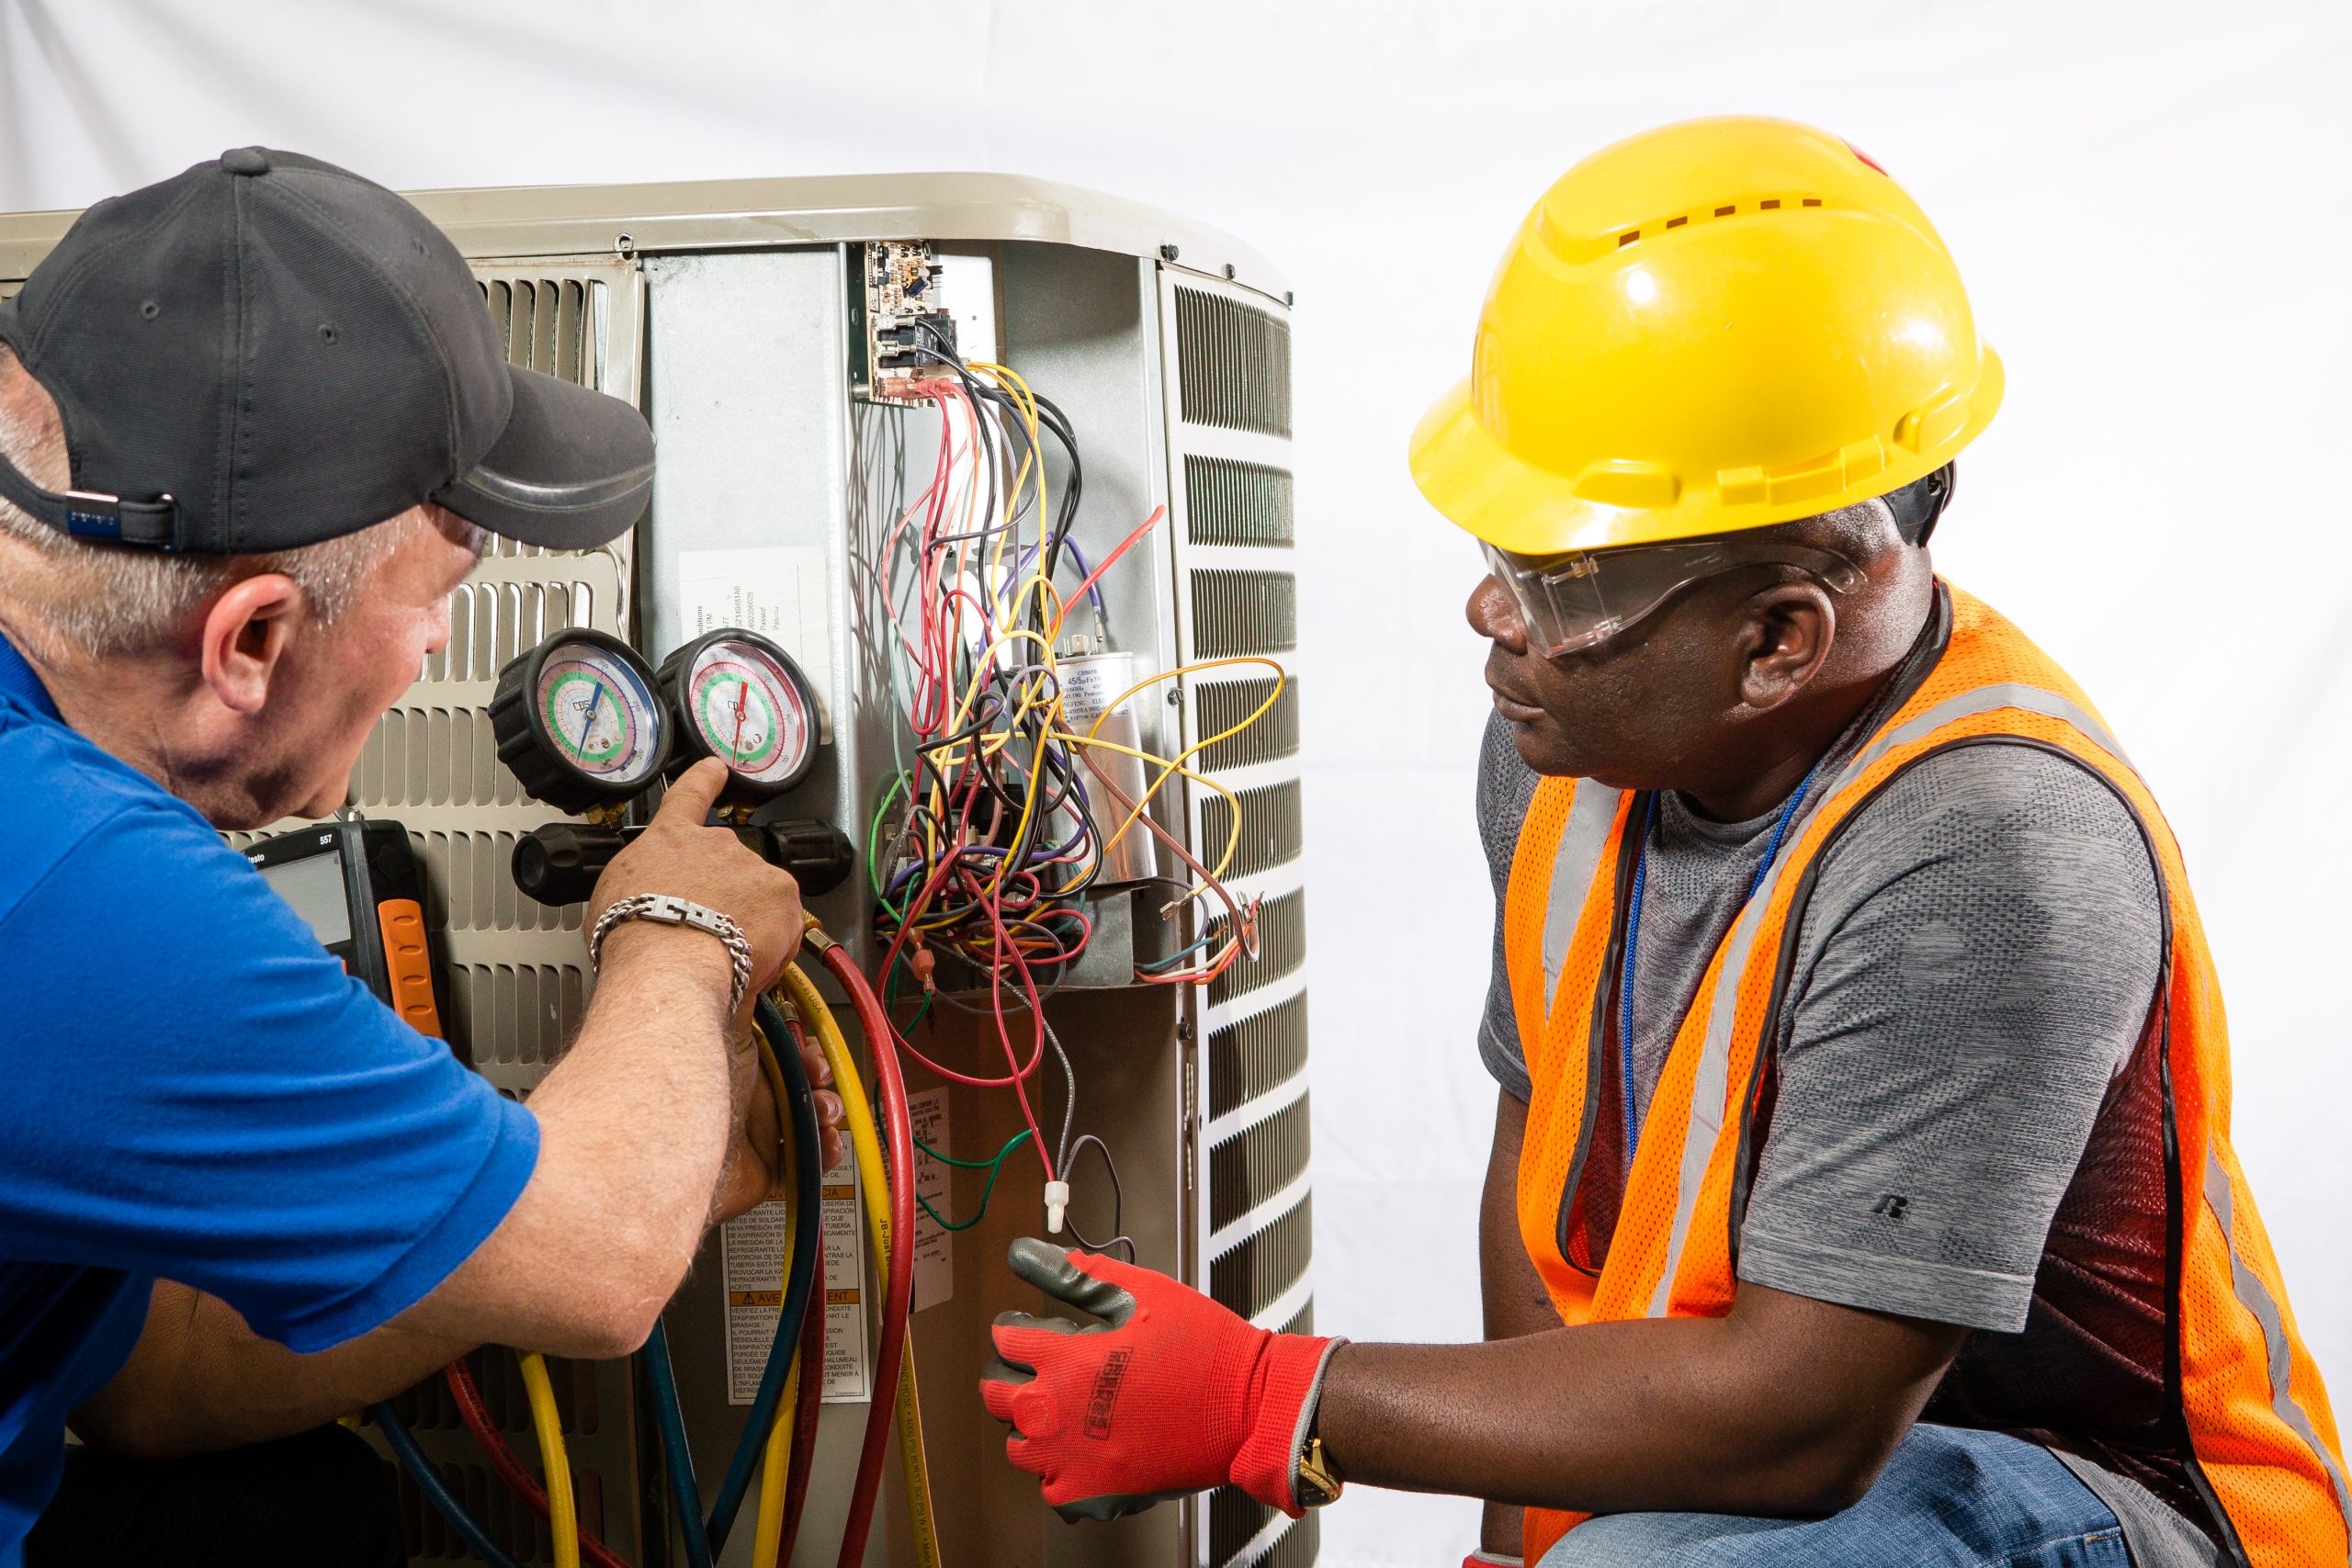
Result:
[[587, 726]]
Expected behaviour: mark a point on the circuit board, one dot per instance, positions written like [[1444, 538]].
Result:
[[908, 331]]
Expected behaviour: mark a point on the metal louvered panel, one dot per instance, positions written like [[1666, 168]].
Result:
[[1232, 502], [1225, 358], [1254, 1273], [1223, 704], [1257, 1162], [1257, 1054], [1272, 833], [1244, 613], [1234, 362]]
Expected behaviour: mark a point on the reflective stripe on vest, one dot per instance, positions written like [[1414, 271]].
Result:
[[2259, 1431]]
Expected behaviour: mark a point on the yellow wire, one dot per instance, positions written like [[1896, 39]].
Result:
[[859, 1114], [563, 1514], [776, 1460]]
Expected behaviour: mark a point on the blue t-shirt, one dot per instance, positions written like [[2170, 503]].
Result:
[[191, 1089]]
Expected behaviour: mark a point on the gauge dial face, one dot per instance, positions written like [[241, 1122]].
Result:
[[749, 711], [600, 714]]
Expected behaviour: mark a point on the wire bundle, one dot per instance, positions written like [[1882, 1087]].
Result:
[[989, 833]]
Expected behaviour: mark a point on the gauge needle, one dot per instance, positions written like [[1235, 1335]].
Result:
[[588, 722], [743, 691]]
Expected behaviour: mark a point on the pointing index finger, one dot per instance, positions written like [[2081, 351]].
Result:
[[696, 791]]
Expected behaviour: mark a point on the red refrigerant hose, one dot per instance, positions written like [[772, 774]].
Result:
[[501, 1455], [898, 1295], [804, 1427]]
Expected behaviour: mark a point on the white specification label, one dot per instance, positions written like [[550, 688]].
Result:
[[753, 1255], [934, 1243], [777, 591], [846, 1369]]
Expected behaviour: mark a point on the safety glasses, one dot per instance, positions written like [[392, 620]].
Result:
[[1576, 601]]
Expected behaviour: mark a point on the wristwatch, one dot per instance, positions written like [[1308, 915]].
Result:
[[664, 910], [1317, 1481]]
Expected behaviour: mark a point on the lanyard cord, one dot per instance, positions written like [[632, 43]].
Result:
[[1633, 932]]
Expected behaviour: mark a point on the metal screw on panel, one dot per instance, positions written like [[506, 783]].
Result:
[[624, 246], [1290, 297], [1166, 253], [1175, 697], [1183, 1029], [1228, 272]]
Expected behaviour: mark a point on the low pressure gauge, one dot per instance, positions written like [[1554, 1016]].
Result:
[[579, 721], [740, 698]]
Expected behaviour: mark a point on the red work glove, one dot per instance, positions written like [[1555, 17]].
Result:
[[1170, 1394]]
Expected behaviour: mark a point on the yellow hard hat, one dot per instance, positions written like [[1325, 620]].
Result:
[[1716, 325]]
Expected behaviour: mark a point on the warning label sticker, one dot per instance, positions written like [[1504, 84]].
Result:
[[934, 1243], [753, 1256]]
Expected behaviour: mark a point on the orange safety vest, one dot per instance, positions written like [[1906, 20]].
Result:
[[2243, 1410]]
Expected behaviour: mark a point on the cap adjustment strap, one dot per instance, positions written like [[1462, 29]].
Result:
[[90, 514]]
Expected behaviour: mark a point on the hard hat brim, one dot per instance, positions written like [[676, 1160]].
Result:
[[1486, 488]]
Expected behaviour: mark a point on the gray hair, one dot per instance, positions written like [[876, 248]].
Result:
[[100, 600]]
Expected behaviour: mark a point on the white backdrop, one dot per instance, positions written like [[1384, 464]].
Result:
[[2147, 198]]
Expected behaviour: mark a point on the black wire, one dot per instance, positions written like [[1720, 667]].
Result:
[[1119, 1198]]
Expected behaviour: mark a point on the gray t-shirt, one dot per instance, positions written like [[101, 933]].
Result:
[[1973, 968]]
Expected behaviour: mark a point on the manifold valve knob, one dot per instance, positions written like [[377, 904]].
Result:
[[558, 864]]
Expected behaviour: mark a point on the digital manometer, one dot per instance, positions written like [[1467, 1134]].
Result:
[[742, 699], [579, 721], [359, 885]]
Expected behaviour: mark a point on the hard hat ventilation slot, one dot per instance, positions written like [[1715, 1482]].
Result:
[[1729, 210]]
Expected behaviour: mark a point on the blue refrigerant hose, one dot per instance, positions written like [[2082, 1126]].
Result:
[[704, 1540], [436, 1491], [799, 1277], [676, 1456]]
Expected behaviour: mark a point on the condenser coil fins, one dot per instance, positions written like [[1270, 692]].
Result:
[[1228, 352]]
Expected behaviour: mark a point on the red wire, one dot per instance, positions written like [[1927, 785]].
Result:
[[897, 1296], [495, 1449], [1103, 565]]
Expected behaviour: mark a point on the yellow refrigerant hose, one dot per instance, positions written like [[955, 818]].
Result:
[[874, 1181], [564, 1513]]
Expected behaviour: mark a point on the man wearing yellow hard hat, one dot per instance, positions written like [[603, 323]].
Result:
[[1861, 1190]]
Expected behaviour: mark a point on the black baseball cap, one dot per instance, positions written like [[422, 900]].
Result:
[[266, 351]]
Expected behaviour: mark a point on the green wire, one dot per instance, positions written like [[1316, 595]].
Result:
[[993, 1167]]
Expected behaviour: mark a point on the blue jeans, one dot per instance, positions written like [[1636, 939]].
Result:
[[1949, 1498]]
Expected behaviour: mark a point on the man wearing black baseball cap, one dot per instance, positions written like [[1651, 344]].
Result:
[[254, 421]]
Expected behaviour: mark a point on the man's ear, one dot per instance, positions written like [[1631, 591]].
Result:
[[1790, 628], [245, 634]]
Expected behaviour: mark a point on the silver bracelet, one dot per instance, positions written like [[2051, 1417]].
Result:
[[667, 911]]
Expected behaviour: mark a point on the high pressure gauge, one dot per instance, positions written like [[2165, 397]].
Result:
[[579, 721], [740, 698]]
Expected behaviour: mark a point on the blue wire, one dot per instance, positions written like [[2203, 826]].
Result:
[[436, 1491], [677, 1456], [799, 1280], [1633, 931]]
